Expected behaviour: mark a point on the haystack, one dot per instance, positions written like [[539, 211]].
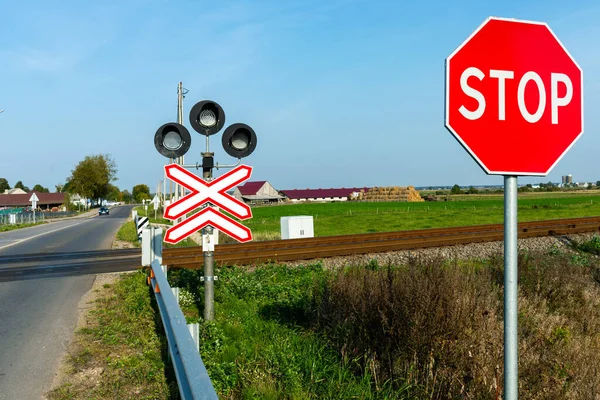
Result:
[[391, 193]]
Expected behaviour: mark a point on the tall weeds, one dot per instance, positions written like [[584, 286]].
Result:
[[438, 327]]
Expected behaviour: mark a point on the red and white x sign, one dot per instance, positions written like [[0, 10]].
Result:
[[213, 192]]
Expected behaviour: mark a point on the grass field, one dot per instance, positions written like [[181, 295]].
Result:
[[355, 217]]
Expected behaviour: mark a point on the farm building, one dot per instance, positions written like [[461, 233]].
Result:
[[257, 192], [46, 201], [343, 194], [15, 191]]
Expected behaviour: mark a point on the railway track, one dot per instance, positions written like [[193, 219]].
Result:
[[29, 266], [60, 264], [345, 245]]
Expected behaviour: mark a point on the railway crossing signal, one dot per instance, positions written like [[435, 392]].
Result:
[[173, 140], [213, 192], [514, 101]]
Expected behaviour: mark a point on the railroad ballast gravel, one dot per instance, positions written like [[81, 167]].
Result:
[[461, 251]]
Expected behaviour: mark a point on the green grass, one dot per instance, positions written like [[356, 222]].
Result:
[[258, 348], [128, 233], [122, 343], [357, 217], [6, 228], [150, 214]]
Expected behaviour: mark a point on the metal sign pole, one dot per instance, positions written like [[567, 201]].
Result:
[[511, 340], [208, 249]]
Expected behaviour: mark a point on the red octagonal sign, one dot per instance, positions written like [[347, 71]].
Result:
[[514, 97]]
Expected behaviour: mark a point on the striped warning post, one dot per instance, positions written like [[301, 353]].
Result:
[[141, 223]]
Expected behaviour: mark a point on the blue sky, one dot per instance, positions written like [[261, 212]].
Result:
[[341, 93]]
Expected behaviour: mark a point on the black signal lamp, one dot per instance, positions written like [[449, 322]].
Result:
[[239, 140], [207, 117], [172, 140]]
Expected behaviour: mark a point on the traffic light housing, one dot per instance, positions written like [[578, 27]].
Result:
[[207, 117], [172, 140], [239, 140]]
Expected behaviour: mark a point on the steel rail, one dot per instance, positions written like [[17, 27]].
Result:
[[322, 247], [68, 255], [359, 238]]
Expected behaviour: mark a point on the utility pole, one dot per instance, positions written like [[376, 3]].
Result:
[[180, 188]]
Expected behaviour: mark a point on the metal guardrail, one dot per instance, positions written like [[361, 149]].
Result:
[[192, 378]]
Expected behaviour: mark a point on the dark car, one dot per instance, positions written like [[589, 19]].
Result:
[[103, 211]]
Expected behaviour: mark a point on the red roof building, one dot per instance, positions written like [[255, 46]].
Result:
[[257, 192], [343, 194], [46, 200]]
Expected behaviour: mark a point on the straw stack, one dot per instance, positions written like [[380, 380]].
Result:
[[391, 193]]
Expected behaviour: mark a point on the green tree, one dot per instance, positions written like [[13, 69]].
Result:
[[455, 189], [60, 187], [19, 185], [141, 192], [114, 193], [472, 190], [41, 189], [3, 185], [92, 177], [126, 196]]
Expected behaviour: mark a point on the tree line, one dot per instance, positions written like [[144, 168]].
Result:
[[92, 178], [4, 186]]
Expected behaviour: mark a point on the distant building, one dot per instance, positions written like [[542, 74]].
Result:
[[46, 201], [257, 192], [15, 191], [567, 180], [343, 194]]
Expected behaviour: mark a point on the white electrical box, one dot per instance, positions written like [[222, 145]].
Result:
[[297, 227]]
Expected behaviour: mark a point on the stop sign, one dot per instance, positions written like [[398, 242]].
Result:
[[514, 97]]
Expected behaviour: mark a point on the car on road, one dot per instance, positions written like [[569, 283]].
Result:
[[103, 211]]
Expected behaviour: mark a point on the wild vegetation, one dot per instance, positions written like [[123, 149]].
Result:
[[428, 329]]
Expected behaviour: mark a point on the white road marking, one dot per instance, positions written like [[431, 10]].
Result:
[[41, 234]]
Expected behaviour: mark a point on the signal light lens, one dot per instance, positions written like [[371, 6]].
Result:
[[207, 117], [172, 140], [239, 140]]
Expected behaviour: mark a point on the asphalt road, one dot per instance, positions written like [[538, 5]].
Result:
[[38, 316]]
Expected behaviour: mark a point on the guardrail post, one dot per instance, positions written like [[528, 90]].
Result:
[[152, 246], [195, 332], [176, 293]]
